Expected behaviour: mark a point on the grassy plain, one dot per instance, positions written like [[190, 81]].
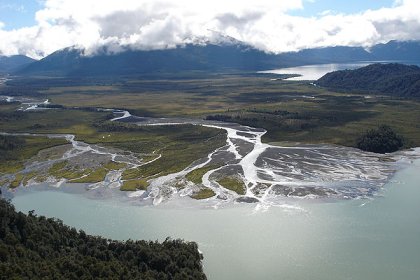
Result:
[[290, 111], [179, 146], [233, 184], [203, 194], [133, 185], [13, 161], [196, 175]]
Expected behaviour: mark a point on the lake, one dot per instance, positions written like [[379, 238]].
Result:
[[314, 72], [304, 239]]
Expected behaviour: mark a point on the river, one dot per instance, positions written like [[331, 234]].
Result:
[[324, 212], [349, 239], [269, 174]]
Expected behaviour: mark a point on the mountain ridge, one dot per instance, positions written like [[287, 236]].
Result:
[[223, 57], [12, 63]]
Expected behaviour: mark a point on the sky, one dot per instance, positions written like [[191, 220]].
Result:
[[37, 28]]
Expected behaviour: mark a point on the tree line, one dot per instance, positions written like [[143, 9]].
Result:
[[34, 247]]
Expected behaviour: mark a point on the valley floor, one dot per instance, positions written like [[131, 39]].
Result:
[[181, 154]]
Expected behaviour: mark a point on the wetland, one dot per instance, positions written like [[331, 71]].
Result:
[[276, 157]]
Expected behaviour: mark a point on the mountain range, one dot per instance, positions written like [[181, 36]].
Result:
[[231, 56], [9, 64]]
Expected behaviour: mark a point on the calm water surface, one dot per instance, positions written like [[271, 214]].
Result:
[[359, 239], [314, 72]]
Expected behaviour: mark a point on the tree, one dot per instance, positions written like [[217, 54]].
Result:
[[33, 247], [381, 140]]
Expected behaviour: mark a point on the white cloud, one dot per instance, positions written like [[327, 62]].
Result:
[[325, 13], [151, 24]]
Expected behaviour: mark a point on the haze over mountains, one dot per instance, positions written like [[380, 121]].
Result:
[[224, 57], [10, 64]]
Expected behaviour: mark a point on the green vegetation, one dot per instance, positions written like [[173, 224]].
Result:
[[62, 169], [29, 176], [14, 151], [56, 169], [394, 79], [95, 176], [8, 143], [289, 111], [179, 147], [333, 118], [41, 178], [196, 176], [381, 140], [16, 181], [21, 178], [50, 121], [133, 185], [33, 247], [284, 108], [183, 97], [74, 174], [203, 194], [113, 165], [233, 183]]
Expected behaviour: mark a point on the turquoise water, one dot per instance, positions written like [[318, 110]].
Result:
[[359, 239]]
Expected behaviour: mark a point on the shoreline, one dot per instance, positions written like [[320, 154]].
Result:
[[269, 172]]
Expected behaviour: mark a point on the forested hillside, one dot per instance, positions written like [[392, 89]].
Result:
[[35, 247], [391, 79]]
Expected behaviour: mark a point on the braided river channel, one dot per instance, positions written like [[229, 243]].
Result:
[[350, 239], [309, 211]]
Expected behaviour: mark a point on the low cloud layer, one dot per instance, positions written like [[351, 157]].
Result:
[[151, 24]]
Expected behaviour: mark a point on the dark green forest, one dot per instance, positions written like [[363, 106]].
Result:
[[35, 247], [8, 144], [393, 79], [381, 140]]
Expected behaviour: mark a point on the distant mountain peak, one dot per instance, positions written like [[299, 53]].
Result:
[[219, 38], [9, 64], [216, 53]]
